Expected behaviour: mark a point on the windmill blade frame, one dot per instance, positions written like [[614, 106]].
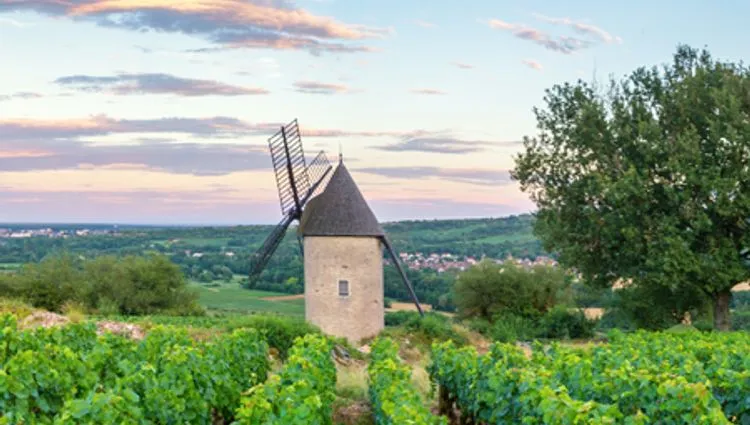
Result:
[[401, 272], [296, 181]]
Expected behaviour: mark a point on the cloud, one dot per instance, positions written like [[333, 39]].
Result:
[[462, 65], [128, 84], [431, 208], [562, 44], [428, 91], [13, 22], [447, 145], [582, 28], [20, 130], [212, 205], [314, 87], [532, 64], [460, 175], [19, 95], [313, 132], [275, 24], [425, 24], [201, 159]]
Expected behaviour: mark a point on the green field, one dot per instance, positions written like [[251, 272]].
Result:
[[233, 298]]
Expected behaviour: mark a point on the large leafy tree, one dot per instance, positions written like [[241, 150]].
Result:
[[648, 181]]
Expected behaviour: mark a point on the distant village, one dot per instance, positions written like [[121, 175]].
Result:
[[444, 262], [52, 233]]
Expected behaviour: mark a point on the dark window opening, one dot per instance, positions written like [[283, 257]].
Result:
[[343, 288]]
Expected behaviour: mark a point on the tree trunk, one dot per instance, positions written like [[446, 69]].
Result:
[[721, 311]]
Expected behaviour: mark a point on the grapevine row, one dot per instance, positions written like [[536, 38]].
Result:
[[504, 387], [301, 394], [71, 375], [394, 398]]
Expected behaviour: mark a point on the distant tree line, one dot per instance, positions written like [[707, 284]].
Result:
[[129, 285]]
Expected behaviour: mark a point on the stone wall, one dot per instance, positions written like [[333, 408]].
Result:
[[358, 260]]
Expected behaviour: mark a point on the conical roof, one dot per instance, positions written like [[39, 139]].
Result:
[[340, 210]]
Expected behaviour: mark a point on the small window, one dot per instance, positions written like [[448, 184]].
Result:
[[343, 288]]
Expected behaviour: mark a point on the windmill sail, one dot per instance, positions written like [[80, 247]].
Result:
[[296, 182]]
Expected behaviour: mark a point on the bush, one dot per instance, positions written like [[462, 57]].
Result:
[[15, 307], [488, 289], [398, 318], [615, 318], [130, 285], [431, 327], [561, 323], [741, 321], [558, 323], [506, 327]]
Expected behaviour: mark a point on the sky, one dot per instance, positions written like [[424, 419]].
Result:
[[156, 111]]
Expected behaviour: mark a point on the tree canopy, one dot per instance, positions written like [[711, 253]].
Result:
[[649, 180]]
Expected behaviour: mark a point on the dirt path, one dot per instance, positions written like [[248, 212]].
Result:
[[284, 297]]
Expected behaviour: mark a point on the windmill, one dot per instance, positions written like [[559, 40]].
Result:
[[338, 235]]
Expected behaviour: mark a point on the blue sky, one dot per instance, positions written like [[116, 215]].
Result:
[[158, 111]]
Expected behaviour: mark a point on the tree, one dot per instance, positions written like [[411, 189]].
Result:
[[649, 182], [487, 289]]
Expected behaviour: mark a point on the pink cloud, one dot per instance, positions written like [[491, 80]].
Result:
[[425, 24], [462, 65], [228, 23], [562, 44], [582, 28], [316, 87], [532, 64], [428, 91]]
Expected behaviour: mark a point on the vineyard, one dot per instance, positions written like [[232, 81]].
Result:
[[74, 375], [644, 378]]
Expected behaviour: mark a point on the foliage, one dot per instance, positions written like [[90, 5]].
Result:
[[432, 327], [67, 375], [488, 289], [659, 307], [278, 332], [638, 379], [648, 182], [741, 321], [15, 307], [562, 323], [558, 323], [394, 398], [301, 394], [126, 285], [506, 327]]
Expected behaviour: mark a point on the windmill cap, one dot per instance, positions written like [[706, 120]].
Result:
[[340, 210]]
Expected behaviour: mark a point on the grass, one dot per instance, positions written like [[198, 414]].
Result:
[[204, 241], [233, 298]]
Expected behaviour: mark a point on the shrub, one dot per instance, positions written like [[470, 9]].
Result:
[[131, 285], [488, 289], [741, 321], [431, 327], [562, 323], [398, 318], [615, 318], [15, 307]]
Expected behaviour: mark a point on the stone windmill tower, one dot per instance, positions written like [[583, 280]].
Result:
[[340, 238]]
